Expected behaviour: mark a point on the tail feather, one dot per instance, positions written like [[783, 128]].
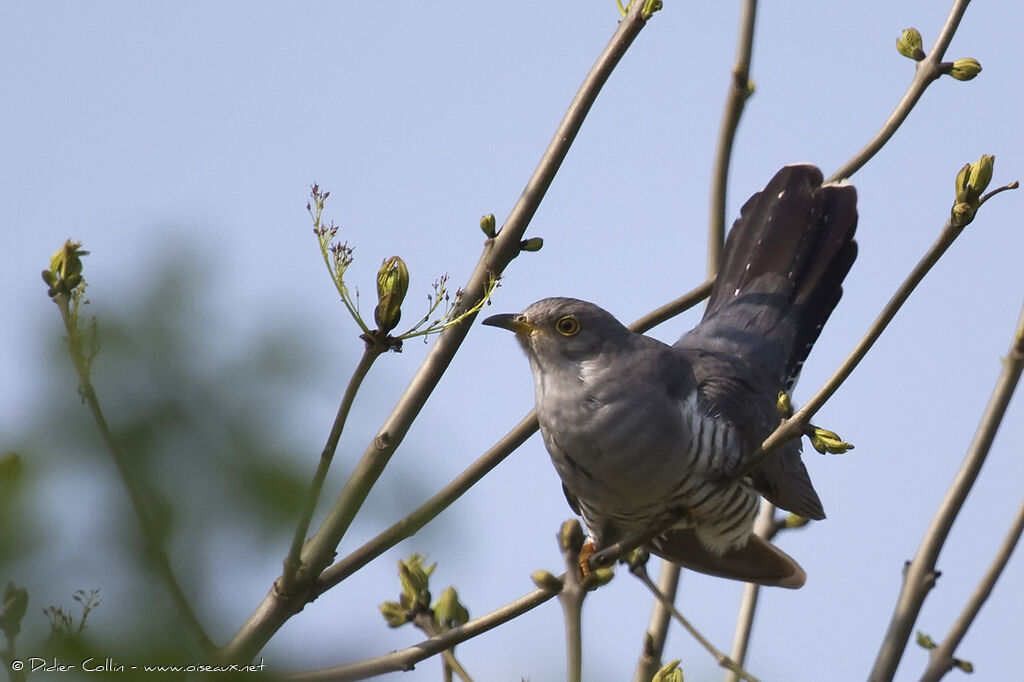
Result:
[[782, 269], [758, 561]]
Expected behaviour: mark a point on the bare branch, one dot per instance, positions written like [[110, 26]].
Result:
[[941, 657], [919, 575], [653, 649], [405, 659], [293, 562], [723, 660], [928, 70], [766, 528], [740, 90]]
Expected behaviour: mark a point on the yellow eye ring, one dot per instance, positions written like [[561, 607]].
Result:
[[567, 325]]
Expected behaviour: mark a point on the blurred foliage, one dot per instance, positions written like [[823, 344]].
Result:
[[215, 426]]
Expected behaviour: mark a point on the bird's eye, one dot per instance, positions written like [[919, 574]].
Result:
[[567, 325]]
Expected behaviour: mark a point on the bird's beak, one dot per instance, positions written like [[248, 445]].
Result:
[[514, 322]]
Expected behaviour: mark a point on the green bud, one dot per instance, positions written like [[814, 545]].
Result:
[[67, 260], [394, 614], [598, 577], [487, 224], [784, 405], [14, 606], [825, 441], [669, 672], [449, 611], [415, 581], [965, 69], [910, 45], [570, 536], [981, 173], [962, 214], [966, 666], [963, 185], [636, 558], [796, 521], [546, 581], [925, 641], [392, 285], [531, 244]]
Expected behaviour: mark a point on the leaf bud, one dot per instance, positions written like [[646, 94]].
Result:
[[570, 536], [669, 672], [531, 244], [487, 224], [909, 44], [392, 285], [965, 69], [796, 521], [597, 577], [394, 614], [547, 581], [449, 611], [981, 173]]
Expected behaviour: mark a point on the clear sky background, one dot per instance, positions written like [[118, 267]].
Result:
[[183, 138]]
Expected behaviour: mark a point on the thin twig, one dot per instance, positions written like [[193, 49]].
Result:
[[571, 598], [739, 92], [919, 575], [149, 532], [723, 660], [928, 70], [941, 658], [653, 648], [406, 659], [293, 562], [279, 605], [424, 620], [766, 528]]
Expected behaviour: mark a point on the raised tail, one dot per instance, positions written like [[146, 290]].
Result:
[[782, 269]]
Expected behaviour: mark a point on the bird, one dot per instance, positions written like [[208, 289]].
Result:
[[646, 435]]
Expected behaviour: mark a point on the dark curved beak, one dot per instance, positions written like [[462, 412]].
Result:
[[514, 322]]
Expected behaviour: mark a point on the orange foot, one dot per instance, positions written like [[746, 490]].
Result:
[[586, 552]]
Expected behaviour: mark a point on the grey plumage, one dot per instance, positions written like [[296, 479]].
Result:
[[645, 434]]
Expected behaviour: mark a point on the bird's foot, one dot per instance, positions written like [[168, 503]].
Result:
[[586, 552]]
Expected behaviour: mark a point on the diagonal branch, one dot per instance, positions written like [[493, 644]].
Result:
[[736, 100], [405, 659], [919, 575], [941, 658], [928, 70]]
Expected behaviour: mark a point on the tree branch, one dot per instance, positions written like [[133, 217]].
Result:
[[723, 660], [739, 92], [941, 658], [293, 562], [405, 659], [766, 528], [928, 70], [919, 575], [653, 649]]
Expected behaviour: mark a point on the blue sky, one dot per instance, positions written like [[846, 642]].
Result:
[[140, 128]]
